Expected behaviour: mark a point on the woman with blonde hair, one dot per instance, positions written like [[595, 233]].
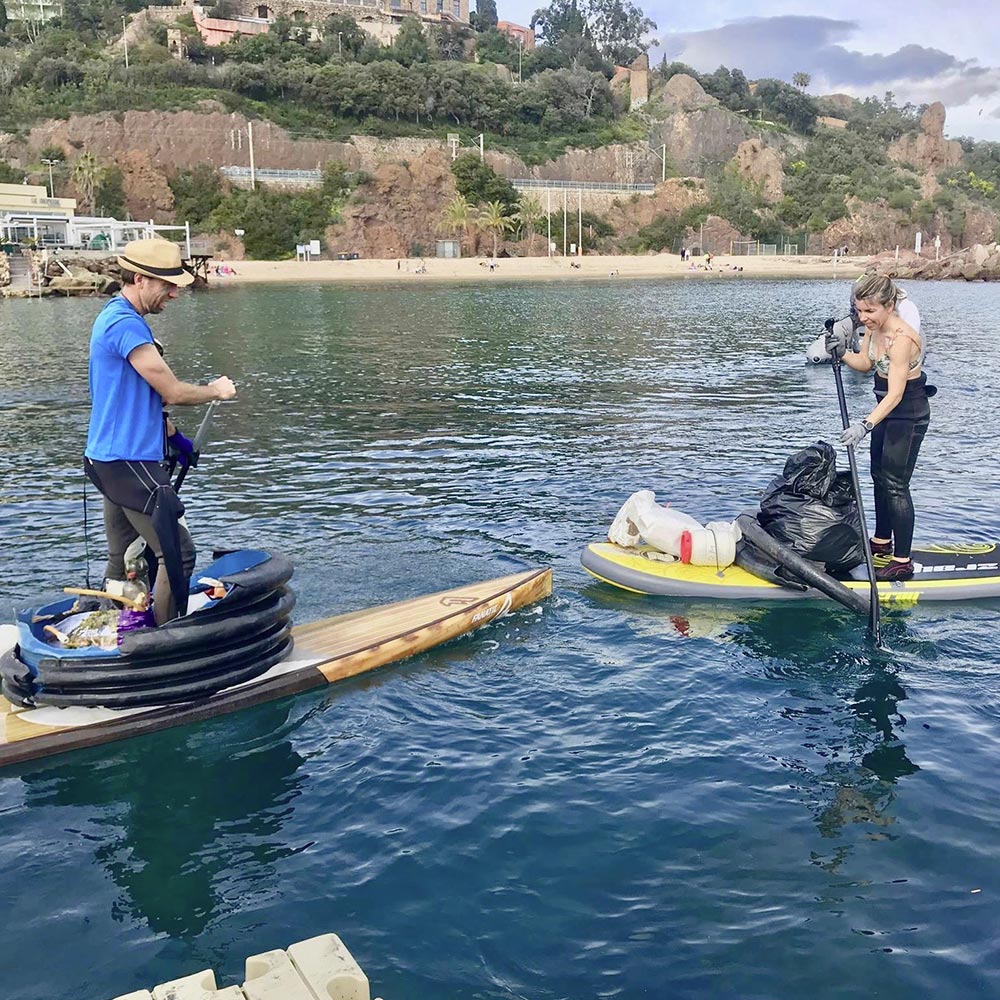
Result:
[[895, 352]]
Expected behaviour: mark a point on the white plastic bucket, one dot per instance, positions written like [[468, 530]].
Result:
[[713, 545]]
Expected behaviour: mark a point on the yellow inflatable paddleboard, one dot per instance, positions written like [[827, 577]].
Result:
[[960, 572]]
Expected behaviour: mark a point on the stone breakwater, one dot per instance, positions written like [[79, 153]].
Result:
[[980, 262]]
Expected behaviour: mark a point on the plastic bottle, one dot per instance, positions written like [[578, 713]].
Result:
[[137, 582]]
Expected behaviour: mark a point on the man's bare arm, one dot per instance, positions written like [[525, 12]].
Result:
[[147, 362]]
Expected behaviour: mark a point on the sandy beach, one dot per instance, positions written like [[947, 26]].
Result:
[[535, 269]]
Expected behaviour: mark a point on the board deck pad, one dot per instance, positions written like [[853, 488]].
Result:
[[325, 651], [971, 560]]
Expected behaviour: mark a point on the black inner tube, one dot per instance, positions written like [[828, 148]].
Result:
[[193, 657]]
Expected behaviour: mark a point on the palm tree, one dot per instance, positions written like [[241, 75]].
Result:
[[88, 175], [529, 214], [458, 217], [801, 80], [493, 220]]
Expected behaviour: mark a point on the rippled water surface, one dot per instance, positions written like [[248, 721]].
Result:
[[601, 796]]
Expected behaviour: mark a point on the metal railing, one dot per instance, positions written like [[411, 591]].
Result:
[[272, 174], [534, 183], [265, 174]]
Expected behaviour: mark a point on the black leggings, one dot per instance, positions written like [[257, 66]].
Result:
[[895, 445]]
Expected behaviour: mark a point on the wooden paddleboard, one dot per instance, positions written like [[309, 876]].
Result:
[[325, 651]]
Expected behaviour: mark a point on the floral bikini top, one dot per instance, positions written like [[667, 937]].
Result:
[[881, 365]]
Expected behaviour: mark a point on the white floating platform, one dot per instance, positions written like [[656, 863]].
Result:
[[318, 969]]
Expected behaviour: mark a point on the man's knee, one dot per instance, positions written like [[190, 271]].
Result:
[[189, 553]]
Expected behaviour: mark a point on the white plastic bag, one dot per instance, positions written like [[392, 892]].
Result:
[[642, 520]]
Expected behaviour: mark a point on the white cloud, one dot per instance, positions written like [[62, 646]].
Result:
[[780, 46]]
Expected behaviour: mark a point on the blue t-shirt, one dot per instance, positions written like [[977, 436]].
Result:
[[126, 419]]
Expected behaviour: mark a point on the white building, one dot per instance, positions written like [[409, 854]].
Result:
[[28, 213], [33, 10]]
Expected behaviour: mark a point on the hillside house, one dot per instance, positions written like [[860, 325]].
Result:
[[379, 18]]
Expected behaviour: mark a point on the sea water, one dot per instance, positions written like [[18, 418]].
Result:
[[603, 795]]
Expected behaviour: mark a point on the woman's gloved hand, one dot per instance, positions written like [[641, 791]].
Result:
[[854, 434], [835, 340]]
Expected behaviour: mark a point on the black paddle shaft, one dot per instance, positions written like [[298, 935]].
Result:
[[874, 625]]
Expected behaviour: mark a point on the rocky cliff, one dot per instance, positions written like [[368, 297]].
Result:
[[761, 166], [870, 227], [397, 214], [928, 150], [672, 197], [696, 140]]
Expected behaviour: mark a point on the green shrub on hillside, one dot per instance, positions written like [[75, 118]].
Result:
[[665, 231], [9, 174], [837, 164], [735, 200], [197, 193], [884, 121], [495, 47], [982, 190], [480, 184], [787, 104], [109, 197], [274, 222]]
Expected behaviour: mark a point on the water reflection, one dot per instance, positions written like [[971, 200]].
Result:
[[191, 819], [840, 692], [845, 697]]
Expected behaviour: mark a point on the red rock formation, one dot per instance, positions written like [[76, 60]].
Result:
[[761, 165], [929, 151]]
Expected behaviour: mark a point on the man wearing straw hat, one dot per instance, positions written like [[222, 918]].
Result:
[[128, 437]]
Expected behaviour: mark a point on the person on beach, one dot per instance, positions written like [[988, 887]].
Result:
[[129, 434], [894, 350]]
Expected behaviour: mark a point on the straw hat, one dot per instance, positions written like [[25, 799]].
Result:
[[156, 259]]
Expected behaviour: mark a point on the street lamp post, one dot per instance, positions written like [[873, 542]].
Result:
[[520, 52], [50, 164], [125, 41]]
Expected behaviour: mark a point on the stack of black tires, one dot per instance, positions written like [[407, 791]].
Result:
[[228, 643]]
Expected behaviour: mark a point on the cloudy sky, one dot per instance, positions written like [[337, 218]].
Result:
[[922, 51]]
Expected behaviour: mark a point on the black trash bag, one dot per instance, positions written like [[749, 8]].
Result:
[[811, 509]]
